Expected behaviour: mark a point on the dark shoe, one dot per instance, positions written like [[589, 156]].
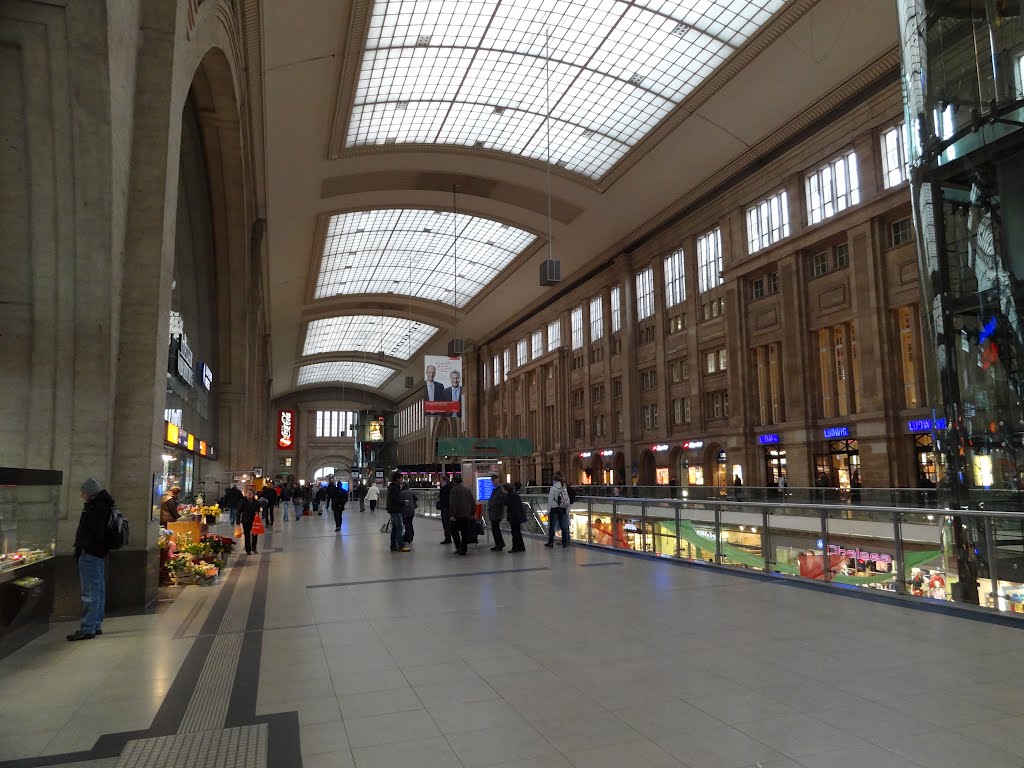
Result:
[[248, 552], [496, 549], [337, 529], [565, 545], [99, 632], [462, 552], [394, 549], [550, 544], [80, 635], [255, 552], [447, 541]]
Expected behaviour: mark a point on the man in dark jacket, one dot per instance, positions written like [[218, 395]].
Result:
[[320, 499], [270, 494], [443, 499], [462, 505], [232, 498], [247, 512], [361, 496], [339, 498], [409, 503], [496, 511], [395, 508], [286, 501], [91, 552], [516, 516]]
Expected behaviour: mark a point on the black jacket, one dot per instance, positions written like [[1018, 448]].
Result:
[[91, 536], [232, 497], [444, 498], [339, 497], [247, 511], [394, 502], [514, 505], [321, 495]]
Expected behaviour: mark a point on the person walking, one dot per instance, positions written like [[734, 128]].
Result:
[[270, 494], [339, 498], [516, 514], [320, 498], [443, 500], [299, 501], [394, 506], [409, 504], [558, 510], [462, 504], [496, 511], [247, 511], [91, 553], [361, 495], [286, 500], [372, 494], [232, 498]]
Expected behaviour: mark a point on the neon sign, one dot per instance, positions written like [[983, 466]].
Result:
[[660, 448], [833, 433], [586, 455], [768, 439], [858, 554], [285, 431], [607, 453], [925, 425], [693, 445]]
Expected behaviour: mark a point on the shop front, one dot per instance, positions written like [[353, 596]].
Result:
[[662, 473], [840, 461], [691, 468], [774, 458]]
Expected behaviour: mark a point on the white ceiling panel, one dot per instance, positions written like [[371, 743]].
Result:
[[578, 82], [364, 374], [395, 336]]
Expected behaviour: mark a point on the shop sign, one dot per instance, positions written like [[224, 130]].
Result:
[[630, 526], [184, 360], [285, 430], [586, 455], [834, 433], [693, 445], [660, 448], [858, 554], [257, 471], [202, 447], [925, 425], [607, 453], [173, 433], [206, 376], [768, 439]]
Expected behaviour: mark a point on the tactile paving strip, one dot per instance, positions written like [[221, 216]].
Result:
[[244, 747]]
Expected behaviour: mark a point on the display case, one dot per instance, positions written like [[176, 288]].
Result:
[[29, 500]]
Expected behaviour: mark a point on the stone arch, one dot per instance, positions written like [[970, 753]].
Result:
[[576, 470], [339, 461], [646, 469]]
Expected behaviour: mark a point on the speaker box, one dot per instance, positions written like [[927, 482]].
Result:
[[550, 272], [408, 382], [456, 347]]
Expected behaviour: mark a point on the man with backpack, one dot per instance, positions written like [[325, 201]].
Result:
[[409, 504], [559, 503], [396, 510], [91, 546]]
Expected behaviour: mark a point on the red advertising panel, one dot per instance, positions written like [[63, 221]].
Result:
[[285, 430]]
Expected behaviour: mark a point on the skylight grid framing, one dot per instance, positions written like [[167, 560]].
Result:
[[476, 76], [398, 337], [345, 372], [412, 252]]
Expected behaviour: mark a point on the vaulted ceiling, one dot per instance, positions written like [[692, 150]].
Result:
[[420, 154]]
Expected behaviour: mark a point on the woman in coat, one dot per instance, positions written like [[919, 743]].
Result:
[[247, 511], [516, 513]]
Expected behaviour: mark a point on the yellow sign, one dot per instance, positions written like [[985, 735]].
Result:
[[172, 433]]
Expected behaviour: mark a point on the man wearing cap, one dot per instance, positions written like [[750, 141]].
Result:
[[90, 552]]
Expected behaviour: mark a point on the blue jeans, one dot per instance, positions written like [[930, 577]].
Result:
[[397, 530], [92, 575], [285, 506], [233, 511], [558, 517]]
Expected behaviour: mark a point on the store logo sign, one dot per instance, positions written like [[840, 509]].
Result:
[[693, 445], [586, 455], [768, 439], [834, 433], [925, 425], [607, 453], [858, 554], [285, 430], [660, 448]]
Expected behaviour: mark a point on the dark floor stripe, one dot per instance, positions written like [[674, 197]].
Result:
[[242, 706], [424, 578], [596, 565], [193, 612]]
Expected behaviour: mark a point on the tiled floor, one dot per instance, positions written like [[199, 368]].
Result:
[[535, 661]]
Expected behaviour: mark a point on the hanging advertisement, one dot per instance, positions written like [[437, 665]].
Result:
[[375, 430], [285, 430], [442, 385]]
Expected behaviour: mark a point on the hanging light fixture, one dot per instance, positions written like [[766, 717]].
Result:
[[550, 268], [457, 345]]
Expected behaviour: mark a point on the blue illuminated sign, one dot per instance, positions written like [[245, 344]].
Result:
[[833, 433], [925, 425], [768, 439]]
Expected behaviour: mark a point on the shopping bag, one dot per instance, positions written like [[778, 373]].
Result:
[[238, 530], [257, 525]]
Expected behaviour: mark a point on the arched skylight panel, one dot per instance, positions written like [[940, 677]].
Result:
[[472, 72], [410, 253], [398, 336], [344, 372]]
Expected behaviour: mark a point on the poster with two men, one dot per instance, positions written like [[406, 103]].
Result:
[[442, 380]]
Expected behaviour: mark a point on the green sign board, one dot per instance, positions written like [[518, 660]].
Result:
[[483, 447]]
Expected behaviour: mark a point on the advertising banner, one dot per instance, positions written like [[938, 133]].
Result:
[[285, 430], [484, 447], [442, 386]]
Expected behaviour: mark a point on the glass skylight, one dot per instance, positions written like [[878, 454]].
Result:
[[364, 374], [401, 337], [472, 72], [413, 253]]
